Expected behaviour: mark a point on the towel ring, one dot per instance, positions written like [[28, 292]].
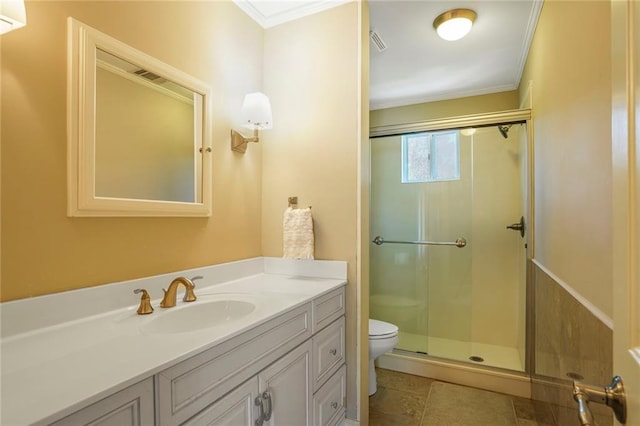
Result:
[[293, 201]]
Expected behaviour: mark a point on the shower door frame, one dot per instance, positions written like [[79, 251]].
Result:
[[518, 116]]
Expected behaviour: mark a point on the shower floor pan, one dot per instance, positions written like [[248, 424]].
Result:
[[491, 355]]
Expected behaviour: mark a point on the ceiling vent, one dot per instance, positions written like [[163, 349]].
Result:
[[377, 40]]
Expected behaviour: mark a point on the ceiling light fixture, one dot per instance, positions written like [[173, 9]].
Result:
[[454, 24]]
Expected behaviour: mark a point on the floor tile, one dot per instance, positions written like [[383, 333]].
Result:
[[455, 405], [525, 422], [383, 419], [396, 403], [403, 382], [408, 400]]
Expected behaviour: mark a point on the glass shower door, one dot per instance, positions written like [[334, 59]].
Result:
[[461, 303]]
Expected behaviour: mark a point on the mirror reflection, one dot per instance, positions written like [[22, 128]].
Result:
[[145, 134]]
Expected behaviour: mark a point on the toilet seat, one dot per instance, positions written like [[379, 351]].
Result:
[[381, 330]]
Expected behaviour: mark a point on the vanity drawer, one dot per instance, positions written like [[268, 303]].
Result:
[[328, 308], [190, 386], [328, 352], [329, 401]]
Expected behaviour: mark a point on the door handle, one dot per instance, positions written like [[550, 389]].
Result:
[[265, 415], [266, 396], [612, 396], [518, 226], [258, 403]]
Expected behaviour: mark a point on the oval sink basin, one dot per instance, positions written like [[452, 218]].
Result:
[[198, 315]]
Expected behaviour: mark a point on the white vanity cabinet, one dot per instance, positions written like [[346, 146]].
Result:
[[275, 370], [280, 338], [288, 370]]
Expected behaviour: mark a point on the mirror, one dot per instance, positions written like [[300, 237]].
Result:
[[139, 132]]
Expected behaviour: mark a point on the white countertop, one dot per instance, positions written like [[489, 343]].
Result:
[[50, 372]]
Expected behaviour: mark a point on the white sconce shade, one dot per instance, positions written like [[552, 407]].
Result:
[[256, 111], [12, 15], [454, 24], [256, 115]]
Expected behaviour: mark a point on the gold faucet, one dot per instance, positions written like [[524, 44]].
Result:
[[169, 299], [145, 302]]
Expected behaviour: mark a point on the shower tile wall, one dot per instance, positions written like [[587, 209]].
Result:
[[568, 338]]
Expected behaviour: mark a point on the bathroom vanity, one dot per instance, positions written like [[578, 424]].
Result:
[[276, 354]]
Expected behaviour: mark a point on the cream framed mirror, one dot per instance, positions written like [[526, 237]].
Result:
[[139, 132]]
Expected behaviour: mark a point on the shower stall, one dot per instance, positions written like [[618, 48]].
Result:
[[449, 202]]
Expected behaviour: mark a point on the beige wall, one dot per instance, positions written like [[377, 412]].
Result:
[[311, 74], [44, 251], [569, 67], [493, 102]]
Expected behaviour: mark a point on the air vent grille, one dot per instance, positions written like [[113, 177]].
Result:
[[377, 40], [148, 75]]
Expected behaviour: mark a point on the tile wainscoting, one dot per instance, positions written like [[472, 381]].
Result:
[[568, 339]]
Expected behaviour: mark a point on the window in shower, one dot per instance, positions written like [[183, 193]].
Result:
[[430, 157]]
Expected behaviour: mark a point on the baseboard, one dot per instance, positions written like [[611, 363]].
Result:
[[350, 422], [467, 375]]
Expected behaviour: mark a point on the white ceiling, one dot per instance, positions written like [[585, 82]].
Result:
[[417, 65]]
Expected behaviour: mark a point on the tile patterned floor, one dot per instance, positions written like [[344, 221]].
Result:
[[407, 400]]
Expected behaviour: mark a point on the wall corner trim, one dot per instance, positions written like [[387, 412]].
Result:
[[606, 320]]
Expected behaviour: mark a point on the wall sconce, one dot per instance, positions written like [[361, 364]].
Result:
[[12, 15], [454, 24], [256, 115]]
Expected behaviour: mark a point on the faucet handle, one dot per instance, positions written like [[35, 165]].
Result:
[[145, 302]]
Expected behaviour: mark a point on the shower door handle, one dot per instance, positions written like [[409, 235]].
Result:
[[459, 242], [518, 226]]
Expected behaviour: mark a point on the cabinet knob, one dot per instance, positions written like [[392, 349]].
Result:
[[333, 352], [334, 405]]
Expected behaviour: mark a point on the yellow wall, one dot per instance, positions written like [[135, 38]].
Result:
[[43, 250], [312, 75], [493, 102], [569, 66]]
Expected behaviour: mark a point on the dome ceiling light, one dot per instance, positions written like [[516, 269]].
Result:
[[454, 24]]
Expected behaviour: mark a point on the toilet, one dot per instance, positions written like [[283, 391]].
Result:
[[383, 337]]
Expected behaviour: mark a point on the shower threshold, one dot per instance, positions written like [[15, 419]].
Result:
[[492, 355]]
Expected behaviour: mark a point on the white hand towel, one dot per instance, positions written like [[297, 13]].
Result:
[[297, 225]]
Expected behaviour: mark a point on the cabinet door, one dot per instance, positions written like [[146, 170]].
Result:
[[288, 382], [237, 408]]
